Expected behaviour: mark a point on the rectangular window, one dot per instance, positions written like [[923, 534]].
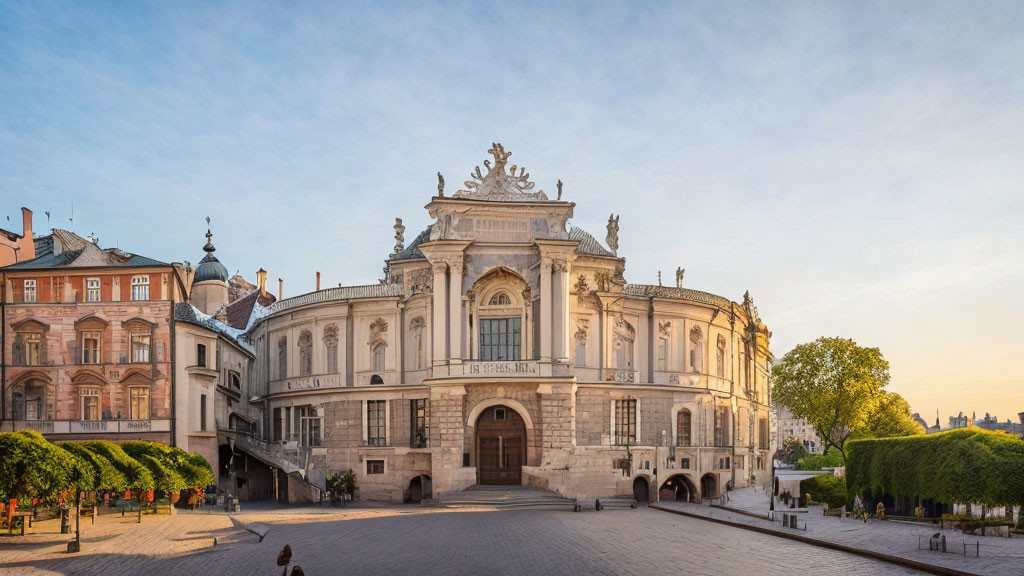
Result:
[[138, 407], [278, 425], [202, 412], [90, 404], [140, 347], [625, 422], [140, 287], [500, 339], [762, 434], [92, 290], [721, 426], [419, 416], [201, 355], [683, 426], [91, 347], [684, 463], [30, 290], [33, 347], [376, 423], [374, 466]]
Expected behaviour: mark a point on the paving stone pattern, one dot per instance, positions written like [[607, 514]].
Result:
[[415, 540], [893, 538]]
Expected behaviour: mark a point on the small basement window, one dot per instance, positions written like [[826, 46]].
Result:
[[374, 466]]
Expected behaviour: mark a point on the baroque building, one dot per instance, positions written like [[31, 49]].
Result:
[[87, 341], [506, 347]]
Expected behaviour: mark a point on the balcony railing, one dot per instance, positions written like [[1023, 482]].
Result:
[[94, 426]]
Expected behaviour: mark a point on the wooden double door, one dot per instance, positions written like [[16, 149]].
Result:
[[501, 446]]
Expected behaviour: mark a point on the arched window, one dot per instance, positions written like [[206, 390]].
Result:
[[305, 353], [683, 420], [500, 299], [378, 356], [282, 358]]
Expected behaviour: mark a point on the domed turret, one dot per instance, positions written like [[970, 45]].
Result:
[[209, 267], [210, 283]]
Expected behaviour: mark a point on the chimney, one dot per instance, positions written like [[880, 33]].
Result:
[[26, 223], [318, 280], [261, 280], [1021, 416], [280, 289]]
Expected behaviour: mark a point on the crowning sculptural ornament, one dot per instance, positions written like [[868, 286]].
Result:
[[613, 233], [497, 184], [679, 276], [559, 190], [399, 236], [440, 185]]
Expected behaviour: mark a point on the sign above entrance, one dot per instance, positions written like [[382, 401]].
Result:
[[513, 368]]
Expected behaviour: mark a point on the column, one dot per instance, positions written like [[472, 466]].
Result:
[[560, 318], [455, 311], [440, 305], [545, 309]]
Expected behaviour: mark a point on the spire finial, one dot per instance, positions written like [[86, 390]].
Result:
[[209, 238]]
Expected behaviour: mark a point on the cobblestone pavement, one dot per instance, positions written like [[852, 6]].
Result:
[[434, 541], [893, 538]]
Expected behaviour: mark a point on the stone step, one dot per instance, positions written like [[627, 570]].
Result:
[[506, 497]]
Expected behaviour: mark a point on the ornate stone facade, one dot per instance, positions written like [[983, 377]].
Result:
[[514, 350]]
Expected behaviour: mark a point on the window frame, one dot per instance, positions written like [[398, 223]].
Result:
[[91, 393], [33, 343], [509, 335], [97, 336], [140, 287], [146, 351], [91, 290], [378, 466], [376, 415], [30, 286], [419, 420], [626, 422], [135, 393], [684, 440], [201, 355]]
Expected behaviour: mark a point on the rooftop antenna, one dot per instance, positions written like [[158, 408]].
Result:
[[72, 218], [47, 218]]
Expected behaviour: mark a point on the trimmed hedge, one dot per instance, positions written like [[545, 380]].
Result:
[[968, 465], [33, 467], [827, 488]]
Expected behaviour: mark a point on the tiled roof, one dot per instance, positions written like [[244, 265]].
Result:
[[651, 291], [239, 312], [337, 294], [185, 312], [413, 250], [65, 249], [588, 244]]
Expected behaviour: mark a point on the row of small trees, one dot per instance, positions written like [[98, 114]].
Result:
[[33, 467]]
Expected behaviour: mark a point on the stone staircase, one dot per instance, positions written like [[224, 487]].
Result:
[[505, 498], [297, 462]]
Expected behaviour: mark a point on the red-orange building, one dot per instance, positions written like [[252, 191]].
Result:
[[87, 343]]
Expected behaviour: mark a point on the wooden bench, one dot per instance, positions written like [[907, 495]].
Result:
[[26, 520]]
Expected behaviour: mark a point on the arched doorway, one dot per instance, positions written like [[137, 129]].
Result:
[[419, 488], [678, 488], [500, 445], [708, 486], [641, 490]]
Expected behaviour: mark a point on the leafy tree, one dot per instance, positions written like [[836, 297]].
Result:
[[105, 475], [179, 467], [792, 451], [833, 383], [826, 488], [30, 466], [891, 417], [830, 459], [138, 476]]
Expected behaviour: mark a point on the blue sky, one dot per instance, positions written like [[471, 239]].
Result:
[[856, 166]]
